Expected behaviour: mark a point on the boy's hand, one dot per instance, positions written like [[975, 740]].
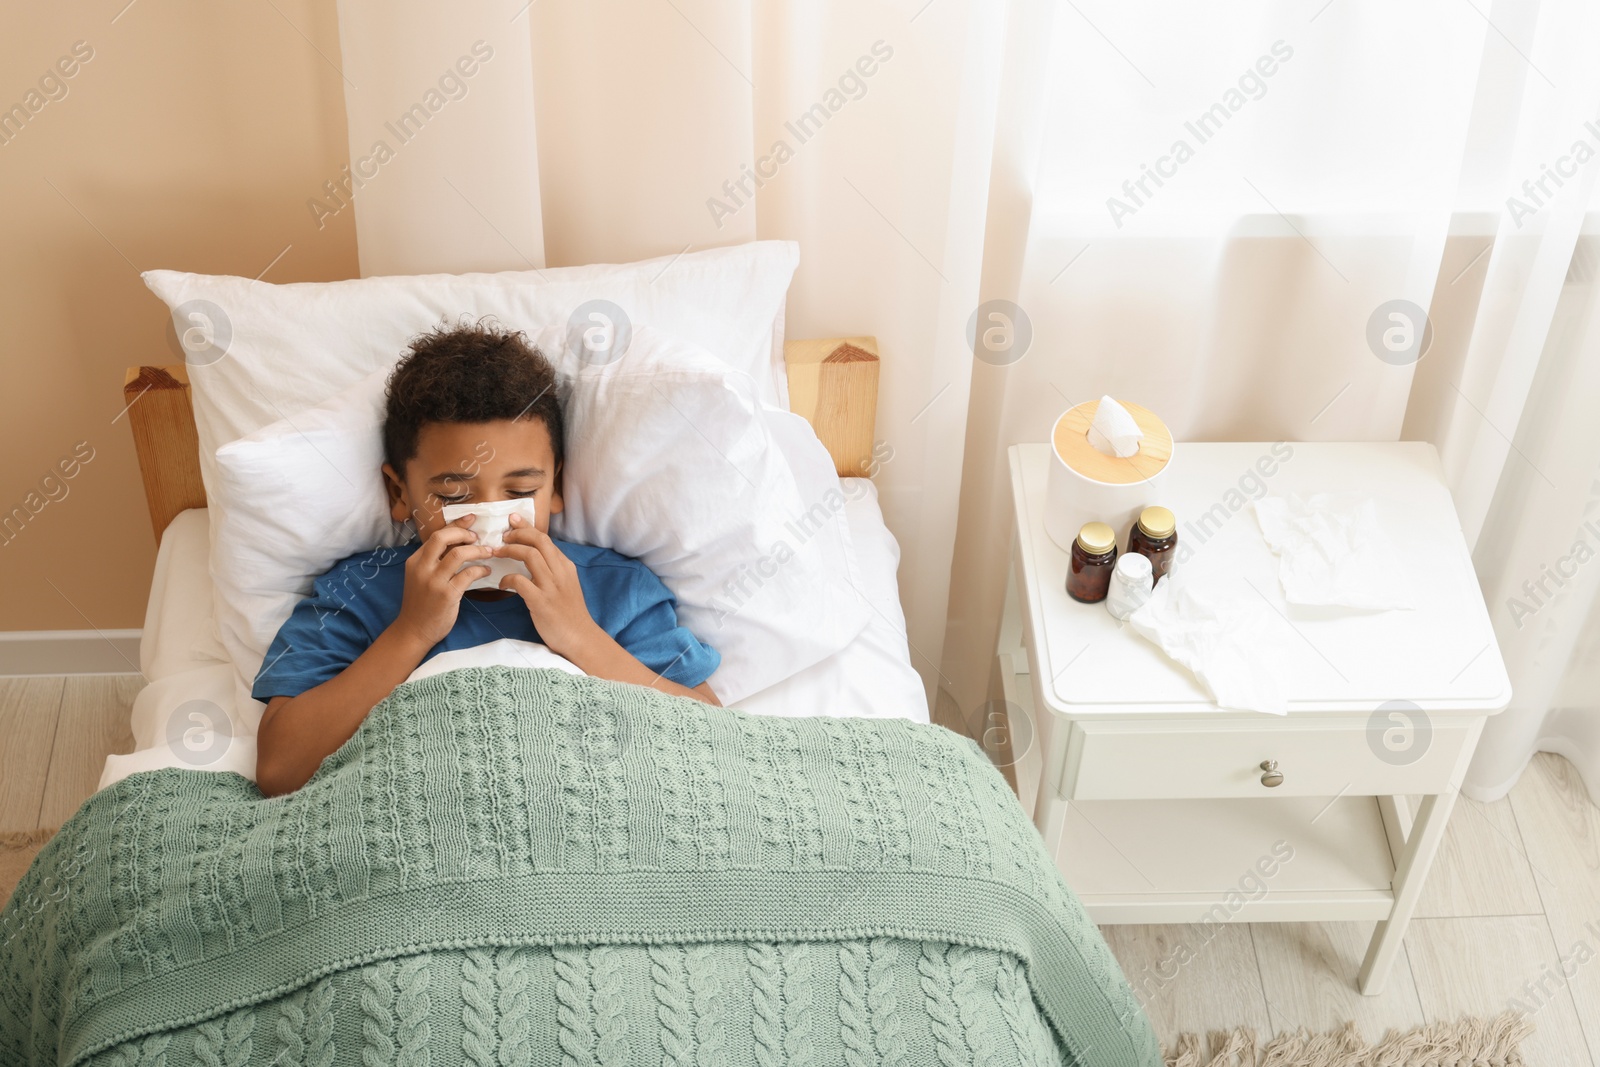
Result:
[[554, 596], [433, 589]]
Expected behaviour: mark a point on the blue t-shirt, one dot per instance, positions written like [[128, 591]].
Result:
[[360, 596]]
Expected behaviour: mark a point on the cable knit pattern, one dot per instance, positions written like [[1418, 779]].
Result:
[[572, 1007], [610, 1021], [705, 991], [514, 1025], [151, 1052], [291, 1025], [671, 992], [787, 761], [705, 789], [772, 813], [893, 830], [939, 997], [971, 1008], [766, 1003], [377, 1023], [862, 817], [855, 1028], [319, 1025], [226, 1042], [1021, 1017], [603, 741], [304, 1029], [884, 1002], [478, 1007], [678, 819], [800, 1039], [411, 1011], [509, 866], [577, 790]]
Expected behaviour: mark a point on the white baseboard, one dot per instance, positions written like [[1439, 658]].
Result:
[[25, 652]]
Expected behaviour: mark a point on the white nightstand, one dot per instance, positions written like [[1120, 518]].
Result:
[[1156, 801]]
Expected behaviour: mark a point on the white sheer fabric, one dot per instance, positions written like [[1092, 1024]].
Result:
[[1222, 203]]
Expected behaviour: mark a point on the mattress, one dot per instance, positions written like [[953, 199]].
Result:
[[195, 711]]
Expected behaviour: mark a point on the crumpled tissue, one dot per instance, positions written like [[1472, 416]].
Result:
[[1332, 550], [1114, 431], [1234, 648], [492, 522]]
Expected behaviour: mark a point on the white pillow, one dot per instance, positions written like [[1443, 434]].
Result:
[[288, 502], [258, 352], [674, 461], [871, 677], [671, 459]]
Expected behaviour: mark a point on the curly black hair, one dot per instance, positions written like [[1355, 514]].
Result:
[[474, 372]]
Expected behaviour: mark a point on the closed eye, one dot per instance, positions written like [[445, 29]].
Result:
[[464, 497]]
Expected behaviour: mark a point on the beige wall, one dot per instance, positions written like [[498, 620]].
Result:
[[190, 140]]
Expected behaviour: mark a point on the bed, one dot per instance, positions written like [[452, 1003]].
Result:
[[832, 385], [185, 665], [510, 865]]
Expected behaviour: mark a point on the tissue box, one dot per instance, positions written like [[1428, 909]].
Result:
[[1086, 485]]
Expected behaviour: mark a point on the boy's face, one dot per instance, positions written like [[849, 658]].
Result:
[[475, 463]]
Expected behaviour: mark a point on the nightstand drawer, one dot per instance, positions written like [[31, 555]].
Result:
[[1156, 760]]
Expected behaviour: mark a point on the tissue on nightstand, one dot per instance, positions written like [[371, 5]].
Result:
[[1332, 550], [1233, 647]]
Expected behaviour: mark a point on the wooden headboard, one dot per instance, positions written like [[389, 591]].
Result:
[[833, 383]]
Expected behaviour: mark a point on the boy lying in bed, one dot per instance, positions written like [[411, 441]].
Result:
[[472, 417]]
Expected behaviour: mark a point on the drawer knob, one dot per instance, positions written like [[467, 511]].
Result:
[[1271, 777]]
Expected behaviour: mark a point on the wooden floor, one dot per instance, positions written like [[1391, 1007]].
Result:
[[55, 734], [1511, 912]]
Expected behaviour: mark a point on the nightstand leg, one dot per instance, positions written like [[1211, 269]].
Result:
[[1049, 812], [1049, 809], [1410, 874]]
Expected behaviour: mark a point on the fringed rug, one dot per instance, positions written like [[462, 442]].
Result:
[[1468, 1042]]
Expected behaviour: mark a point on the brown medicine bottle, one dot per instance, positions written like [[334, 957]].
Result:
[[1094, 555], [1155, 534]]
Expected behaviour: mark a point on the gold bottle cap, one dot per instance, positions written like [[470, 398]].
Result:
[[1157, 522], [1096, 538]]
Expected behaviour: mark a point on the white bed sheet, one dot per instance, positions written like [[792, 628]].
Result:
[[193, 691]]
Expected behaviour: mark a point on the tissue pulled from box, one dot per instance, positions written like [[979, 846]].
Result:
[[1332, 550], [1234, 648], [1114, 431], [492, 522]]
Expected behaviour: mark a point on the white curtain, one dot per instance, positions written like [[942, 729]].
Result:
[[1206, 212], [1222, 205]]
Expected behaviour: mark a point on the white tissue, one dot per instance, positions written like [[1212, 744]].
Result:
[[1114, 432], [1233, 647], [493, 520], [1332, 550]]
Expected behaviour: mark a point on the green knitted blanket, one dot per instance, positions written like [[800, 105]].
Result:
[[509, 866]]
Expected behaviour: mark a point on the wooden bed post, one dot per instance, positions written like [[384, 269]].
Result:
[[162, 418], [833, 385]]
